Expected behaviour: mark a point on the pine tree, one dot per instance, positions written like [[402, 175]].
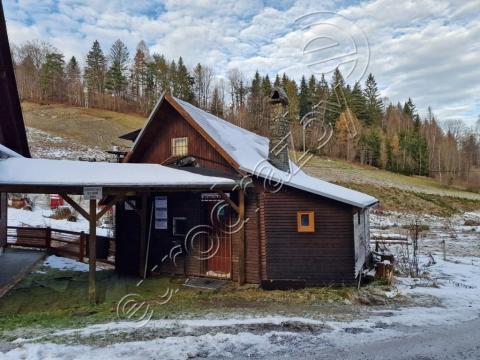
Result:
[[73, 81], [95, 69], [52, 76], [116, 75], [216, 104], [358, 105], [336, 102], [184, 82], [323, 92], [304, 98], [266, 86], [409, 108], [173, 84], [277, 83], [139, 73], [313, 91], [374, 104]]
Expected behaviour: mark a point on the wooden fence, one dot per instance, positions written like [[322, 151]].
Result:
[[60, 242]]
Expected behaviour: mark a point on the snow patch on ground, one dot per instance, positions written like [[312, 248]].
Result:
[[41, 218], [47, 146], [61, 263], [170, 348], [455, 282]]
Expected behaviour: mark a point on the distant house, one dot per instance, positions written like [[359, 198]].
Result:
[[298, 229], [12, 128]]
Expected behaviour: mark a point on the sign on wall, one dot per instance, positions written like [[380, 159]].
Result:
[[92, 193], [161, 213]]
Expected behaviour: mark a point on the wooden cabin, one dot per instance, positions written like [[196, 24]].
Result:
[[12, 129], [298, 230]]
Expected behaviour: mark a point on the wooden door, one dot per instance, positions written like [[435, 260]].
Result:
[[219, 245]]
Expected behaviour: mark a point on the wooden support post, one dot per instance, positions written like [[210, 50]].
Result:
[[242, 247], [92, 253], [48, 238], [81, 250]]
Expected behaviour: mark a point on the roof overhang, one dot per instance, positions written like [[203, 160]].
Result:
[[42, 176]]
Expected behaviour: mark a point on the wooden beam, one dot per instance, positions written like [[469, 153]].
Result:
[[92, 253], [242, 247], [228, 200], [108, 206], [77, 207]]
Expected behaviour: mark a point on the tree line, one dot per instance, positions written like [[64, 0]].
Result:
[[361, 126]]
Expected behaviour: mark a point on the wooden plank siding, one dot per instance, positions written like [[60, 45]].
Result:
[[322, 257], [274, 249], [155, 146]]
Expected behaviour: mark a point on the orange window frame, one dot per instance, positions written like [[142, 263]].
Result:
[[310, 228]]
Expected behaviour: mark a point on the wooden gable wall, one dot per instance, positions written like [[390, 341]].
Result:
[[155, 146]]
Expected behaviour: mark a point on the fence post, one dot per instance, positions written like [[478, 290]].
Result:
[[82, 246], [48, 238]]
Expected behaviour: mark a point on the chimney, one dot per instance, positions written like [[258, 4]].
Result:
[[279, 129]]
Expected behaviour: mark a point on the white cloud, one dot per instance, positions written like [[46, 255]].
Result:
[[428, 50]]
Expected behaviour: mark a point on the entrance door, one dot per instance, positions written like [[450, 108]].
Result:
[[219, 246]]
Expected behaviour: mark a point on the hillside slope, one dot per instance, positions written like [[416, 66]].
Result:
[[396, 191], [60, 131]]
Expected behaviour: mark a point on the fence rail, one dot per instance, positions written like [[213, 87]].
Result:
[[61, 242]]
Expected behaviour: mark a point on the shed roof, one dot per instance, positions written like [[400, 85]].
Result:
[[250, 152], [28, 173]]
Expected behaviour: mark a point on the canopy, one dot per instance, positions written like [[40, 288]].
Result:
[[19, 174]]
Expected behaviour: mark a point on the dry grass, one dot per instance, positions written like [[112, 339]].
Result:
[[90, 127]]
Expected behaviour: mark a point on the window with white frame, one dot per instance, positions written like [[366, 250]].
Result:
[[180, 146]]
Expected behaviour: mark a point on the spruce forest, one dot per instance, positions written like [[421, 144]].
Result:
[[364, 127]]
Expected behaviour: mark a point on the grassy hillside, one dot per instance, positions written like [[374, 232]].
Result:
[[90, 127], [61, 126], [396, 191]]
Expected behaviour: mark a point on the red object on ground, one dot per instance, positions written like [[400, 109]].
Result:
[[56, 201]]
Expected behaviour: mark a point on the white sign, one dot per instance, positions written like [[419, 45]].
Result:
[[161, 213], [92, 193]]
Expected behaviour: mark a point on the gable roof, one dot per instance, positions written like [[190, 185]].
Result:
[[12, 128], [249, 152]]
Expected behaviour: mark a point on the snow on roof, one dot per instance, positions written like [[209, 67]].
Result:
[[23, 171], [6, 153], [250, 151]]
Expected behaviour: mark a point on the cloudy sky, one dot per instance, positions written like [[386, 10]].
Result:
[[426, 49]]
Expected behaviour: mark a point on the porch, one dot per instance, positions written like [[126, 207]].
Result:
[[115, 183]]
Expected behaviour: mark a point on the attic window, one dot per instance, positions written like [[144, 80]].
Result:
[[306, 221], [180, 146]]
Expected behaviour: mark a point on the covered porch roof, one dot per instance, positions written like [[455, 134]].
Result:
[[18, 174]]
